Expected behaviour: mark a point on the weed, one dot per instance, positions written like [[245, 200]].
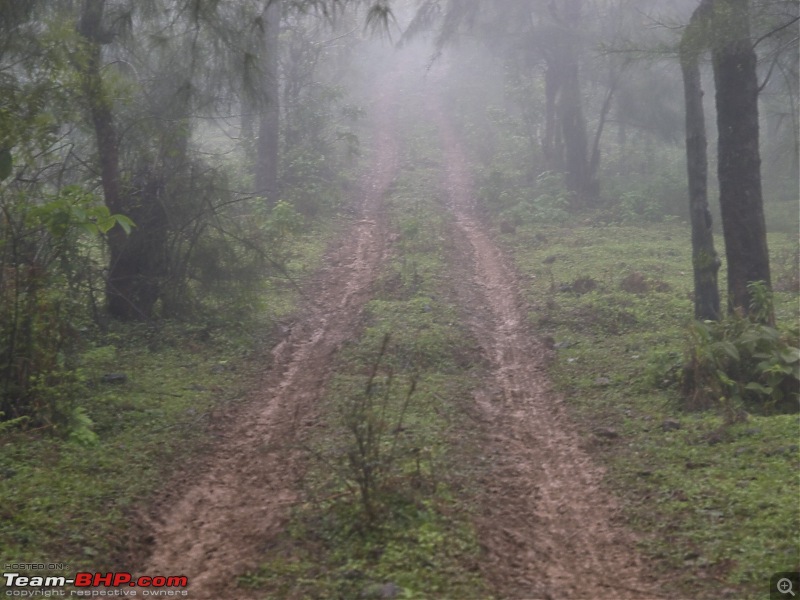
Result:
[[372, 453]]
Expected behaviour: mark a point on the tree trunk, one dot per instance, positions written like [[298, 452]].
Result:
[[120, 281], [131, 289], [266, 172], [594, 160], [553, 155], [573, 127], [739, 169], [705, 261], [577, 175]]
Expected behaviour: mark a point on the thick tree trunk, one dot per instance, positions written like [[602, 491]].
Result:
[[120, 282], [705, 261], [266, 171], [739, 168]]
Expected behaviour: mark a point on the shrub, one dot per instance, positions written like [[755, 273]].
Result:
[[738, 363]]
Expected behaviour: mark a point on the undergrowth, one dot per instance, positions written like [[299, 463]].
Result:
[[146, 395]]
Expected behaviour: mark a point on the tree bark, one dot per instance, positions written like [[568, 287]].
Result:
[[705, 261], [739, 160], [266, 172]]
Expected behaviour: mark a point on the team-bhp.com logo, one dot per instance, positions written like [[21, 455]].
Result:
[[95, 585]]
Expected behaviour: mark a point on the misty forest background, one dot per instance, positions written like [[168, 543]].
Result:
[[172, 170]]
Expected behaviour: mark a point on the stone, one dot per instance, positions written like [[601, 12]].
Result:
[[670, 425], [114, 378], [607, 433]]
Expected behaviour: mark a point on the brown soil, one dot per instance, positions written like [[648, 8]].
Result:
[[547, 526]]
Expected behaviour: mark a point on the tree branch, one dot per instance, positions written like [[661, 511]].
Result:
[[774, 31]]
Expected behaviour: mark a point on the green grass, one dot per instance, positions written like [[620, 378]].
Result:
[[717, 503], [81, 504], [416, 537]]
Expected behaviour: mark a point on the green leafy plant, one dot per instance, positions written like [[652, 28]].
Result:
[[51, 260], [548, 201], [74, 208]]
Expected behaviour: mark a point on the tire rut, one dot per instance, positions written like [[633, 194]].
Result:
[[547, 526], [226, 514]]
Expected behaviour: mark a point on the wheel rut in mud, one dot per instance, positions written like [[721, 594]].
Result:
[[218, 526], [548, 528]]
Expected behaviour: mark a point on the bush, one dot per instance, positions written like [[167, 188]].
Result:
[[547, 201], [737, 363]]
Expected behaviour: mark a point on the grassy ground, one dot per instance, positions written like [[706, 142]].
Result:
[[78, 504], [411, 535], [717, 503]]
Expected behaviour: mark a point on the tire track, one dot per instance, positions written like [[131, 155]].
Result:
[[225, 516], [547, 526]]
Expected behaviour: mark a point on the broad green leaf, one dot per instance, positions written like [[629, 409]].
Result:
[[79, 214], [125, 222], [729, 349], [754, 386], [723, 377], [104, 224]]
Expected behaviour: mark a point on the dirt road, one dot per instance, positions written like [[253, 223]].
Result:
[[547, 527]]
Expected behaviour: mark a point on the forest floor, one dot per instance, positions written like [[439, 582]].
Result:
[[545, 524]]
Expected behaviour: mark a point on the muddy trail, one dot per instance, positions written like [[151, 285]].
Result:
[[547, 528], [226, 514]]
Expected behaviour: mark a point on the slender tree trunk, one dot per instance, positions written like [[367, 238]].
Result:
[[705, 261], [135, 261], [266, 172], [739, 161], [573, 127], [594, 160], [553, 155]]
